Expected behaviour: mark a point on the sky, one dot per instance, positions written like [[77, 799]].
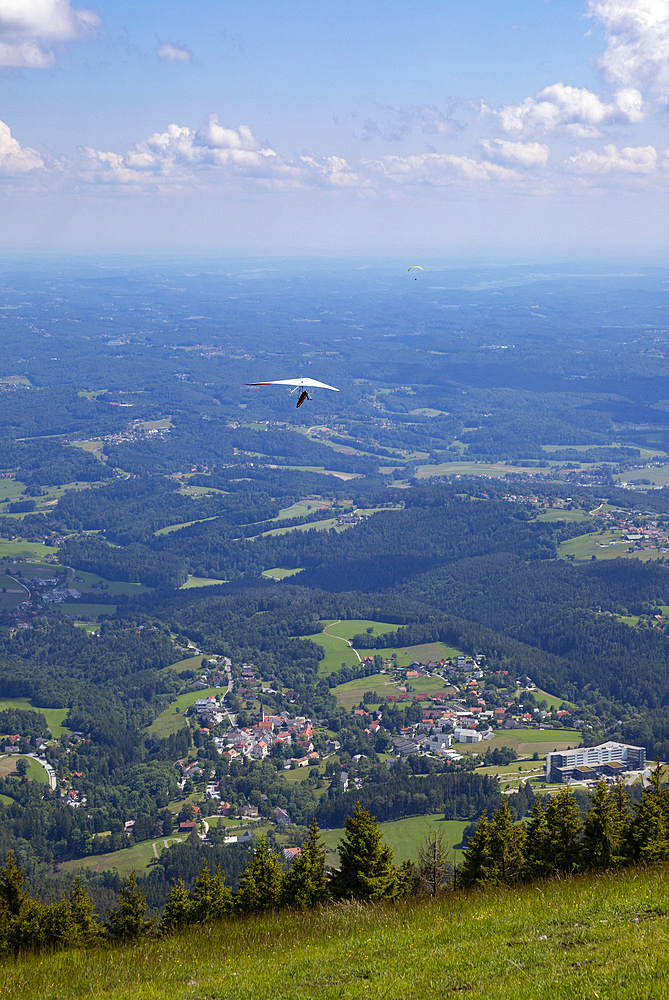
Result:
[[491, 129]]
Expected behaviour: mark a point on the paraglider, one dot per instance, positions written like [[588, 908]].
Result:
[[298, 383], [416, 267]]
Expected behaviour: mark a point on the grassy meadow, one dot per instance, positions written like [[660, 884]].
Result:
[[590, 937], [54, 716], [405, 836]]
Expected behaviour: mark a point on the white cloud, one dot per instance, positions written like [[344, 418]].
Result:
[[169, 52], [523, 154], [575, 110], [396, 124], [15, 160], [640, 160], [637, 35], [437, 169], [30, 31]]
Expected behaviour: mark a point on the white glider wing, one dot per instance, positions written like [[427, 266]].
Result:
[[312, 383]]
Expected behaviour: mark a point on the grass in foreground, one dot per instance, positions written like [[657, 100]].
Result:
[[591, 937]]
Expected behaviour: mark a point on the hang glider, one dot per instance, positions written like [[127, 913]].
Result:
[[303, 384]]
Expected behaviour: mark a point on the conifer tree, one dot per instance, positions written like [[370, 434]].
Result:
[[622, 813], [178, 908], [366, 868], [537, 843], [408, 883], [211, 898], [260, 885], [84, 919], [601, 834], [564, 832], [477, 864], [128, 920], [305, 884], [12, 893], [434, 868], [506, 846], [649, 830]]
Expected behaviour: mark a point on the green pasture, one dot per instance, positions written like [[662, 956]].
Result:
[[136, 858], [277, 573], [337, 651], [34, 773], [358, 626], [16, 548], [11, 593], [405, 836], [494, 469], [200, 581], [351, 693], [10, 489], [300, 509], [560, 514], [170, 719], [190, 663], [45, 571], [594, 936], [527, 741], [599, 545], [86, 582], [657, 475], [552, 700], [89, 612], [54, 716], [330, 522], [184, 524]]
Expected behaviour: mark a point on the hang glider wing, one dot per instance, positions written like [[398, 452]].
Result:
[[312, 383]]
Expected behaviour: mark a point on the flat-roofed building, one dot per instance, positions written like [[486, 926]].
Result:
[[564, 764]]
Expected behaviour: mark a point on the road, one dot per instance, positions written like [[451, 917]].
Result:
[[51, 774], [227, 663]]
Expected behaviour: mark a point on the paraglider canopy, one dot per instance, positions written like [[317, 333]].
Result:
[[415, 267]]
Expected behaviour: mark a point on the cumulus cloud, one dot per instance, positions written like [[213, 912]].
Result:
[[522, 154], [32, 30], [181, 155], [637, 36], [575, 110], [640, 160], [437, 169], [15, 160], [169, 52]]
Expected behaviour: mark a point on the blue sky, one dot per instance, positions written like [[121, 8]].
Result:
[[494, 128]]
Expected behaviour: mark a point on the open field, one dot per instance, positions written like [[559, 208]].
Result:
[[190, 663], [493, 469], [527, 741], [18, 549], [569, 939], [330, 522], [86, 612], [559, 514], [351, 693], [183, 524], [54, 716], [11, 593], [300, 508], [135, 858], [200, 581], [656, 475], [170, 719], [604, 545], [405, 836], [10, 489], [86, 582], [35, 770], [277, 573], [27, 570], [552, 700], [335, 642]]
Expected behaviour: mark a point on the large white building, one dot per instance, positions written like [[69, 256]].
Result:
[[467, 736], [592, 762]]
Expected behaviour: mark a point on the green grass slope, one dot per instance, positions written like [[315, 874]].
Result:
[[589, 937]]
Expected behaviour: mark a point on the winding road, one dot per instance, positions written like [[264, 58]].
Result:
[[335, 636]]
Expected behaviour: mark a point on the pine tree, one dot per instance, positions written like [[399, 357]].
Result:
[[211, 898], [12, 893], [128, 920], [477, 864], [622, 812], [84, 919], [600, 832], [537, 845], [434, 868], [506, 846], [366, 868], [648, 833], [177, 910], [306, 884], [260, 885], [564, 832], [408, 883]]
